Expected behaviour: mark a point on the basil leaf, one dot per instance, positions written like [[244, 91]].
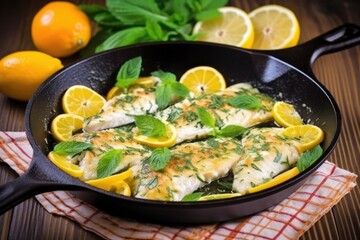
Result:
[[232, 131], [150, 126], [154, 31], [192, 197], [205, 117], [123, 38], [212, 4], [169, 90], [71, 148], [135, 12], [108, 163], [245, 101], [207, 15], [159, 158], [92, 9], [106, 19], [129, 72], [309, 157]]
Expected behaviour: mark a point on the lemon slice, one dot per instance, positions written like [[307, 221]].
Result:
[[233, 27], [156, 142], [219, 196], [64, 164], [286, 115], [203, 79], [309, 135], [275, 27], [121, 187], [140, 82], [107, 183], [82, 101], [64, 125]]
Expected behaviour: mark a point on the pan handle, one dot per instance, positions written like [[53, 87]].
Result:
[[39, 178], [304, 55]]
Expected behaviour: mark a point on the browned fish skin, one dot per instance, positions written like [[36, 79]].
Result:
[[192, 165], [266, 154]]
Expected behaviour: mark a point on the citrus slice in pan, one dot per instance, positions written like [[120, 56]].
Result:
[[82, 101], [64, 125], [64, 164], [309, 135], [286, 115], [203, 79]]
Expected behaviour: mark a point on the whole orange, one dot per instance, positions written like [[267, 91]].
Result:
[[60, 29]]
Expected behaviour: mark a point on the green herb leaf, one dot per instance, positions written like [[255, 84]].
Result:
[[135, 12], [169, 90], [124, 37], [309, 157], [129, 72], [108, 163], [71, 148], [207, 15], [159, 158], [205, 117], [245, 101], [192, 197], [231, 131], [150, 126], [92, 9], [155, 31]]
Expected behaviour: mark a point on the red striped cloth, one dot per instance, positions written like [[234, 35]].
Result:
[[287, 220]]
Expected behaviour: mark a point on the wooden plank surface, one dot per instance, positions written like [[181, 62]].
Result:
[[339, 72]]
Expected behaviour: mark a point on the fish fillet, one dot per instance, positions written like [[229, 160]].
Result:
[[183, 114], [192, 165], [266, 154]]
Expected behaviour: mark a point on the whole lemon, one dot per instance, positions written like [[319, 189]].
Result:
[[21, 73], [60, 29]]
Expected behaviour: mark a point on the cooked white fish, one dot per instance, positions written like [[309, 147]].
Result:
[[265, 154], [102, 142], [183, 114], [191, 166], [120, 109]]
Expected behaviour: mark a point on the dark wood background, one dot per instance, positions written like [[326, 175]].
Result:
[[339, 72]]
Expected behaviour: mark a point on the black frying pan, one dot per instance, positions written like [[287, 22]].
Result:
[[283, 71]]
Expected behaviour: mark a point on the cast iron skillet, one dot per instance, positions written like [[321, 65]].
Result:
[[285, 71]]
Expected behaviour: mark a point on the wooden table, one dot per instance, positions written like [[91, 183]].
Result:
[[339, 72]]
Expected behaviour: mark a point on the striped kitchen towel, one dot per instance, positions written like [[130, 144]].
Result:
[[287, 220]]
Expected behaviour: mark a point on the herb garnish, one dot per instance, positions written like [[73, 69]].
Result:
[[108, 163], [159, 158], [169, 90], [125, 22], [208, 120], [129, 72], [309, 157], [192, 197], [71, 148], [150, 126], [245, 101]]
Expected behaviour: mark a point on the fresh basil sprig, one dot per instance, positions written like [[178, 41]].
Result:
[[245, 101], [108, 163], [125, 22], [192, 197], [71, 148], [129, 72], [309, 157], [150, 126], [169, 90], [208, 120], [159, 158]]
